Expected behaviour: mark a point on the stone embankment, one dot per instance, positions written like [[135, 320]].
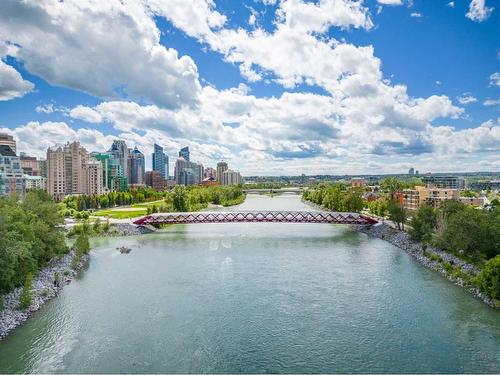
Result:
[[126, 229], [451, 267], [46, 285]]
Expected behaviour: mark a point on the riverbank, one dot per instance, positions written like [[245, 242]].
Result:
[[449, 266], [46, 285]]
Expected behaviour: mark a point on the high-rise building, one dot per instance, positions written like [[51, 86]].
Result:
[[184, 152], [30, 165], [11, 173], [411, 171], [160, 161], [92, 176], [112, 175], [70, 170], [188, 173], [221, 168], [230, 177], [120, 151], [136, 167], [8, 140]]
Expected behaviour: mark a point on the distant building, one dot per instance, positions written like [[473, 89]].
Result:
[[358, 182], [35, 183], [493, 185], [411, 171], [412, 199], [221, 168], [112, 174], [120, 151], [444, 182], [11, 173], [155, 180], [30, 165], [473, 201], [71, 170], [43, 168], [230, 177], [92, 177], [188, 173], [209, 181], [8, 140], [209, 172], [160, 161], [184, 152], [136, 167]]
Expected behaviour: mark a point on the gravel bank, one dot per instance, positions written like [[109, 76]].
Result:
[[449, 266], [44, 289]]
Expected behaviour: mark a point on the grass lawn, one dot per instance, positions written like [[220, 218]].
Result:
[[126, 212], [121, 213]]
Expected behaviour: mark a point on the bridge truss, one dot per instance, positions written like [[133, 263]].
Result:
[[256, 217]]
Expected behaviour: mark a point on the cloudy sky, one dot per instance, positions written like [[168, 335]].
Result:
[[272, 86]]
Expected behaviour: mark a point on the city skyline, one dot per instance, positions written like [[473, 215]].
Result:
[[386, 85]]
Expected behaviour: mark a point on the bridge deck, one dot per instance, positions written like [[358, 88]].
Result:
[[256, 217]]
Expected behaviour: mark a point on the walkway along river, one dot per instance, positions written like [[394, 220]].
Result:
[[256, 298]]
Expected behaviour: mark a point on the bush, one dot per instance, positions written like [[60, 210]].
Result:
[[27, 294], [489, 278]]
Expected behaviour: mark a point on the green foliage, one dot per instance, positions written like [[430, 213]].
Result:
[[336, 197], [378, 207], [180, 199], [397, 213], [80, 247], [30, 236], [489, 278], [435, 258], [472, 233], [27, 294], [468, 194], [423, 223]]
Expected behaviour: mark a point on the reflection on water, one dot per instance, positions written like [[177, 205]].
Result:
[[256, 298]]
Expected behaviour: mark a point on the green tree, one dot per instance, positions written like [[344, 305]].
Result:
[[392, 185], [397, 213], [489, 278], [180, 199], [423, 223]]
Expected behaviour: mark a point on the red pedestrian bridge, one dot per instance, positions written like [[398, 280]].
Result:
[[321, 217]]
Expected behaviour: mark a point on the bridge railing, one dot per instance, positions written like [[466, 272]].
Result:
[[256, 216]]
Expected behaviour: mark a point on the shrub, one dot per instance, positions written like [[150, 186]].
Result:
[[26, 294], [489, 278]]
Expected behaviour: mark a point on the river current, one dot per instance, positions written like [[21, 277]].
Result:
[[253, 298]]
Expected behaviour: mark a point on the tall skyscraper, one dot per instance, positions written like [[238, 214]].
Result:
[[184, 152], [8, 140], [221, 168], [120, 151], [136, 167], [160, 161]]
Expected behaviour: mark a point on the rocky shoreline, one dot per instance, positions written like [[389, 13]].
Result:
[[45, 287], [449, 266]]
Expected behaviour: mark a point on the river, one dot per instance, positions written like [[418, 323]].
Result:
[[253, 298]]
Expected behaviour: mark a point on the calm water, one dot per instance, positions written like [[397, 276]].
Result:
[[256, 298]]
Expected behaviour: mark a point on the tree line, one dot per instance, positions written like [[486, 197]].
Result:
[[31, 235]]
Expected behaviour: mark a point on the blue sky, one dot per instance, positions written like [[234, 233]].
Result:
[[274, 87]]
